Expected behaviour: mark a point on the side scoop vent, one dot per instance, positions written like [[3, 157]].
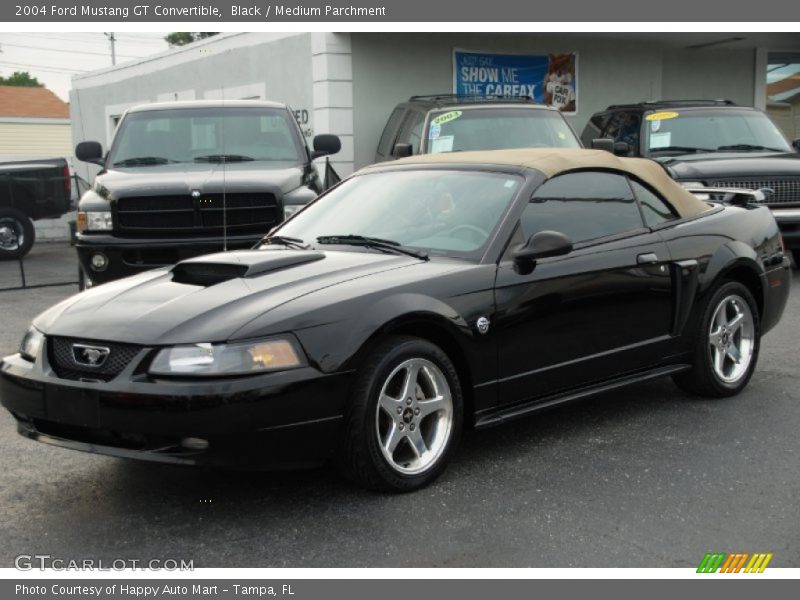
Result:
[[217, 268]]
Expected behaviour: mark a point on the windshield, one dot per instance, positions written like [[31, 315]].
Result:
[[712, 130], [213, 134], [498, 129], [441, 212]]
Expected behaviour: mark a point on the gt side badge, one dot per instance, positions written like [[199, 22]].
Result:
[[483, 325]]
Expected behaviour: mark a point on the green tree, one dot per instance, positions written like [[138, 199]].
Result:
[[21, 79], [181, 38]]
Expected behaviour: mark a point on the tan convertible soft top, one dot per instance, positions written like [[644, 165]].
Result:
[[554, 161]]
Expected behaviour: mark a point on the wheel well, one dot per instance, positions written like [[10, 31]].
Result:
[[750, 279], [436, 333]]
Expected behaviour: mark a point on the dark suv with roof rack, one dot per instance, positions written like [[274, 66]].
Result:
[[451, 123], [709, 143]]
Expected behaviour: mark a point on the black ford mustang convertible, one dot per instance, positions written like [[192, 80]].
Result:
[[412, 300]]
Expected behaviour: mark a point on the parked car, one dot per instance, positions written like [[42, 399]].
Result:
[[30, 190], [413, 299], [187, 178], [711, 143], [452, 123]]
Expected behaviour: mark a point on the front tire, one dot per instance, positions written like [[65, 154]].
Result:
[[16, 234], [404, 421], [726, 345]]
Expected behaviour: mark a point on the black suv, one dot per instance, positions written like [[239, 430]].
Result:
[[450, 122], [709, 143]]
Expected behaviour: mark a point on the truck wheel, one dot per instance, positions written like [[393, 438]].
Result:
[[404, 420], [726, 345], [16, 234]]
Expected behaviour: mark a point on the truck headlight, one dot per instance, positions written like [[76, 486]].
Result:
[[94, 220], [31, 344], [291, 209], [244, 358]]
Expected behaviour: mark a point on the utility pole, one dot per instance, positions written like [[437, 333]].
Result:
[[112, 40]]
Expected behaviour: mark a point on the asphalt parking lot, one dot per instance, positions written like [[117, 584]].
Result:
[[645, 477]]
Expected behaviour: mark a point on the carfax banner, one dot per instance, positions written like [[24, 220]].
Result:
[[546, 78]]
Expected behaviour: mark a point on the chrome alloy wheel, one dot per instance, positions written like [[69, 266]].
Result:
[[731, 339], [414, 416], [12, 236]]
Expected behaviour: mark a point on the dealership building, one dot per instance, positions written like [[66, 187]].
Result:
[[348, 83]]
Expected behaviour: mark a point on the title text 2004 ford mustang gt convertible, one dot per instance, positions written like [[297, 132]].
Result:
[[409, 301]]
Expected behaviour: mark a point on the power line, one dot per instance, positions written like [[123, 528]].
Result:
[[66, 51], [128, 40], [13, 65]]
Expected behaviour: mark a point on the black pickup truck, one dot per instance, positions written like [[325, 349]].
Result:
[[183, 179], [30, 190]]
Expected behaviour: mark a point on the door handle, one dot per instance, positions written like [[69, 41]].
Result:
[[647, 259]]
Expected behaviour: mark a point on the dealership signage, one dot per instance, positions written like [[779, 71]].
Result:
[[547, 78]]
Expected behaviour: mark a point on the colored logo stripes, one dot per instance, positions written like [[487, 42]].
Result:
[[736, 562]]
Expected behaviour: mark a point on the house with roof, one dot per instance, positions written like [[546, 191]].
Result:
[[34, 123]]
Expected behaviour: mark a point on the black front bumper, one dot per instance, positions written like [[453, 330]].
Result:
[[788, 220], [129, 256], [279, 420]]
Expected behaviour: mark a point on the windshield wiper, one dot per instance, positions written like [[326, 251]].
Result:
[[679, 149], [141, 161], [222, 158], [750, 147], [371, 242], [284, 240]]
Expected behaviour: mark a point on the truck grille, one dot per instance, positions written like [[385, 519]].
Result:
[[184, 216], [62, 359], [787, 189]]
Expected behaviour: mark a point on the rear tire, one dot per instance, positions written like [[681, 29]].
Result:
[[726, 344], [404, 421], [17, 234]]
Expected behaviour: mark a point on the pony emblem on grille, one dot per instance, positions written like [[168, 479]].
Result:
[[90, 356]]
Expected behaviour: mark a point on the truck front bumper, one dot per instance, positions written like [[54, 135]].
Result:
[[123, 257], [788, 220]]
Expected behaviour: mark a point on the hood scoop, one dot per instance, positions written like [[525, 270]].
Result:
[[212, 269]]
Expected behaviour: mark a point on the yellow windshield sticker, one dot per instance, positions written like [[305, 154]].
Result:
[[446, 117], [661, 116]]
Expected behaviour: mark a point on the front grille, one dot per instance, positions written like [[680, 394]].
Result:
[[787, 189], [184, 216], [62, 359]]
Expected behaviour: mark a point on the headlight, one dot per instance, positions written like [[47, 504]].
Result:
[[228, 359], [94, 220], [290, 209], [31, 344]]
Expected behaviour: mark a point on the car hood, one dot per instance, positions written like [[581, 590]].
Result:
[[183, 178], [157, 308], [732, 164]]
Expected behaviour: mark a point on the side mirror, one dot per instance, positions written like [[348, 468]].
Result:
[[609, 145], [622, 148], [796, 144], [540, 245], [606, 144], [325, 144], [91, 152], [402, 150]]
